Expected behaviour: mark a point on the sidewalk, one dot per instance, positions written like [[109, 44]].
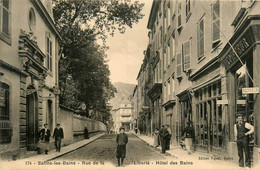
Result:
[[198, 159], [52, 154]]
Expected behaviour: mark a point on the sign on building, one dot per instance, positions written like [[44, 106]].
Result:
[[250, 90], [219, 102]]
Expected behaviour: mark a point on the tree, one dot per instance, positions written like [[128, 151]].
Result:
[[84, 73]]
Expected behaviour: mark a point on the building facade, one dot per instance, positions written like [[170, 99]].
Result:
[[123, 116], [29, 54], [205, 62]]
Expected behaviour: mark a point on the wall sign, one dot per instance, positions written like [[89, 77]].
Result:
[[219, 102], [240, 47], [251, 90]]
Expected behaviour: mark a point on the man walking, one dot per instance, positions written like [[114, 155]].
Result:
[[121, 140], [58, 135], [168, 137], [242, 130], [163, 133]]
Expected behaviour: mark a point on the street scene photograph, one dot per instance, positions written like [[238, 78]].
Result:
[[129, 84]]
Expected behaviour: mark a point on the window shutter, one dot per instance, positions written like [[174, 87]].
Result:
[[179, 65], [215, 21], [186, 55], [179, 14], [200, 38]]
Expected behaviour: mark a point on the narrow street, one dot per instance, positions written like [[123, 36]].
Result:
[[104, 150]]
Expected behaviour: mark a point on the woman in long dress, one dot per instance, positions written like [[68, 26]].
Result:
[[45, 134], [156, 138]]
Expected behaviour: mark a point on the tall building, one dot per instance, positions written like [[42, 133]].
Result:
[[205, 63], [29, 91], [123, 116]]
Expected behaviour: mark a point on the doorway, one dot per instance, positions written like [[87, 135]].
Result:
[[32, 118]]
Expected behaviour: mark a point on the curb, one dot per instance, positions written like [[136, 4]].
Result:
[[76, 148], [166, 154]]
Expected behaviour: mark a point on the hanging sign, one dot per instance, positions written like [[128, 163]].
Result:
[[219, 102], [2, 97], [250, 90]]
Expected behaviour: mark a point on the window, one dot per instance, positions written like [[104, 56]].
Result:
[[164, 61], [5, 124], [200, 38], [169, 89], [169, 15], [4, 20], [215, 23], [179, 14], [161, 37], [172, 86], [49, 52], [169, 53], [32, 20], [187, 8], [178, 66], [173, 49], [160, 70], [186, 55]]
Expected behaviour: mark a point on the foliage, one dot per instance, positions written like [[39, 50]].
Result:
[[83, 71]]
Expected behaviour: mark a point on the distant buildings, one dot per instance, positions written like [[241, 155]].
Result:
[[123, 116], [200, 57], [29, 91]]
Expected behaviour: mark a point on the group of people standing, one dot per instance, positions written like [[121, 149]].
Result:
[[44, 137], [163, 137]]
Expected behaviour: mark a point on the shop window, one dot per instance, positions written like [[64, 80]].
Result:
[[5, 124], [208, 124], [5, 20]]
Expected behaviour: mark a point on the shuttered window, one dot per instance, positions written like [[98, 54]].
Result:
[[178, 65], [186, 55], [215, 23], [200, 38], [4, 19], [179, 14], [48, 52], [187, 7]]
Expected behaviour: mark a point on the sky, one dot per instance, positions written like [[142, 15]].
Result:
[[125, 52]]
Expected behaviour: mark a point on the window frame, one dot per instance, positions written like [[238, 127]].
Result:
[[213, 22], [49, 53], [185, 55], [199, 38], [3, 36], [179, 64]]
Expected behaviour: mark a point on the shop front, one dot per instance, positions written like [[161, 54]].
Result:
[[241, 63]]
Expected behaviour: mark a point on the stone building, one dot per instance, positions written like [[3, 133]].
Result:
[[205, 62], [123, 116], [29, 54]]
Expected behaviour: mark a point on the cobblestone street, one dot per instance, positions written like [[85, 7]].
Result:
[[104, 150]]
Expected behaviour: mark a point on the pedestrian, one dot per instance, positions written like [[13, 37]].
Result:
[[136, 130], [156, 138], [168, 137], [188, 134], [121, 140], [242, 130], [86, 133], [163, 133], [58, 135], [44, 135]]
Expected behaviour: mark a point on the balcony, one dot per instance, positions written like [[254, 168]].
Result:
[[156, 91]]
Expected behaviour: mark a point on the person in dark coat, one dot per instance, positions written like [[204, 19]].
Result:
[[44, 135], [242, 130], [163, 133], [58, 135], [86, 133], [189, 136], [121, 140], [168, 137]]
